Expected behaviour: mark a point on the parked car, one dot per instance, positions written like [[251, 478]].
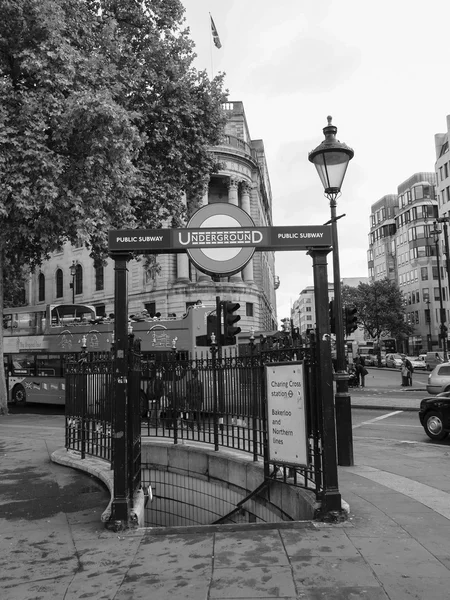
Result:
[[432, 359], [439, 379], [416, 363], [434, 416], [394, 361]]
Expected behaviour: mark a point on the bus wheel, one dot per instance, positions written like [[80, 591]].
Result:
[[18, 395]]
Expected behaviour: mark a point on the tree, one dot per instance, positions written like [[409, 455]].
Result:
[[104, 123], [380, 308]]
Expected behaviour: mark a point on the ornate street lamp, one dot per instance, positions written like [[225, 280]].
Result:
[[73, 272], [331, 159]]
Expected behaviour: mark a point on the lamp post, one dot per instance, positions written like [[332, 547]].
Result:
[[331, 159], [430, 337], [73, 271], [443, 330]]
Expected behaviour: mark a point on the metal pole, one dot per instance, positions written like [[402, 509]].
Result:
[[430, 338], [344, 431], [441, 305], [331, 497], [120, 504]]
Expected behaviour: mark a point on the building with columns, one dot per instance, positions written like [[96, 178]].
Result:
[[243, 180]]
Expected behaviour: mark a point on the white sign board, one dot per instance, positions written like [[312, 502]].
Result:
[[286, 416]]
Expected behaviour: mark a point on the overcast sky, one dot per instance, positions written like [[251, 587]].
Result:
[[381, 69]]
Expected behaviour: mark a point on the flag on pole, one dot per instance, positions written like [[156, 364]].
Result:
[[215, 35]]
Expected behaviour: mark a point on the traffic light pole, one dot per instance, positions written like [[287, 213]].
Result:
[[344, 432]]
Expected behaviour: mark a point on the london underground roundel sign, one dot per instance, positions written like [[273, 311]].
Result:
[[230, 222]]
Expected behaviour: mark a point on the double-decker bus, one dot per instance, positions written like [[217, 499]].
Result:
[[37, 339]]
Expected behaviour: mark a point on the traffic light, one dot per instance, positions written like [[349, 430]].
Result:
[[230, 331], [350, 319], [286, 325], [332, 316], [211, 328]]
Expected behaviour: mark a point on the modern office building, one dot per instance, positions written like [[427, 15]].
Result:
[[442, 168], [303, 311], [381, 253], [243, 180], [402, 248]]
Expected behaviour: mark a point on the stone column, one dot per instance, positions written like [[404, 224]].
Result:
[[247, 273], [233, 198], [233, 191], [182, 267], [182, 260], [203, 277]]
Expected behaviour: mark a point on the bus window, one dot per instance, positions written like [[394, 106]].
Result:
[[39, 322], [23, 364], [7, 322], [49, 365]]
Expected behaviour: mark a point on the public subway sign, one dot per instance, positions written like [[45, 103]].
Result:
[[286, 413], [220, 238], [179, 240]]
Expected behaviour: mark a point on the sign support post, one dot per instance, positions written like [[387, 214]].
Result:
[[120, 504], [203, 243], [331, 495]]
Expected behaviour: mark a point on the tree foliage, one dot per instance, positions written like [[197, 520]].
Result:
[[380, 308], [104, 123]]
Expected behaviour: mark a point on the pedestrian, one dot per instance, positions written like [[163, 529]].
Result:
[[410, 370], [405, 373], [158, 398], [361, 370], [194, 398]]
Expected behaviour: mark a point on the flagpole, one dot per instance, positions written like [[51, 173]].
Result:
[[210, 47]]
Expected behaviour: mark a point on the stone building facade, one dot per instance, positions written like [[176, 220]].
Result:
[[243, 180]]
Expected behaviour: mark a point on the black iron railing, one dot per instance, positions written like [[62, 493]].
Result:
[[218, 398], [88, 422]]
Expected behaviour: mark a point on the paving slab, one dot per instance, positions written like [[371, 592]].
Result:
[[395, 544]]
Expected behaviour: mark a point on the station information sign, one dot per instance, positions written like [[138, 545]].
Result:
[[286, 413]]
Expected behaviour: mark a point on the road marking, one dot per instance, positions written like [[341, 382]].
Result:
[[391, 414]]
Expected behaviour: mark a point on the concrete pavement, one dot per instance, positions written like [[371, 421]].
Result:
[[395, 544]]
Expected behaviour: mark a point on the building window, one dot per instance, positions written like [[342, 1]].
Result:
[[41, 285], [249, 309], [99, 278], [100, 310], [78, 279], [59, 283], [150, 307], [436, 293]]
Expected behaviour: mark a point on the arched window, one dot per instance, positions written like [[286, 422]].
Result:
[[79, 279], [41, 293], [59, 284]]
